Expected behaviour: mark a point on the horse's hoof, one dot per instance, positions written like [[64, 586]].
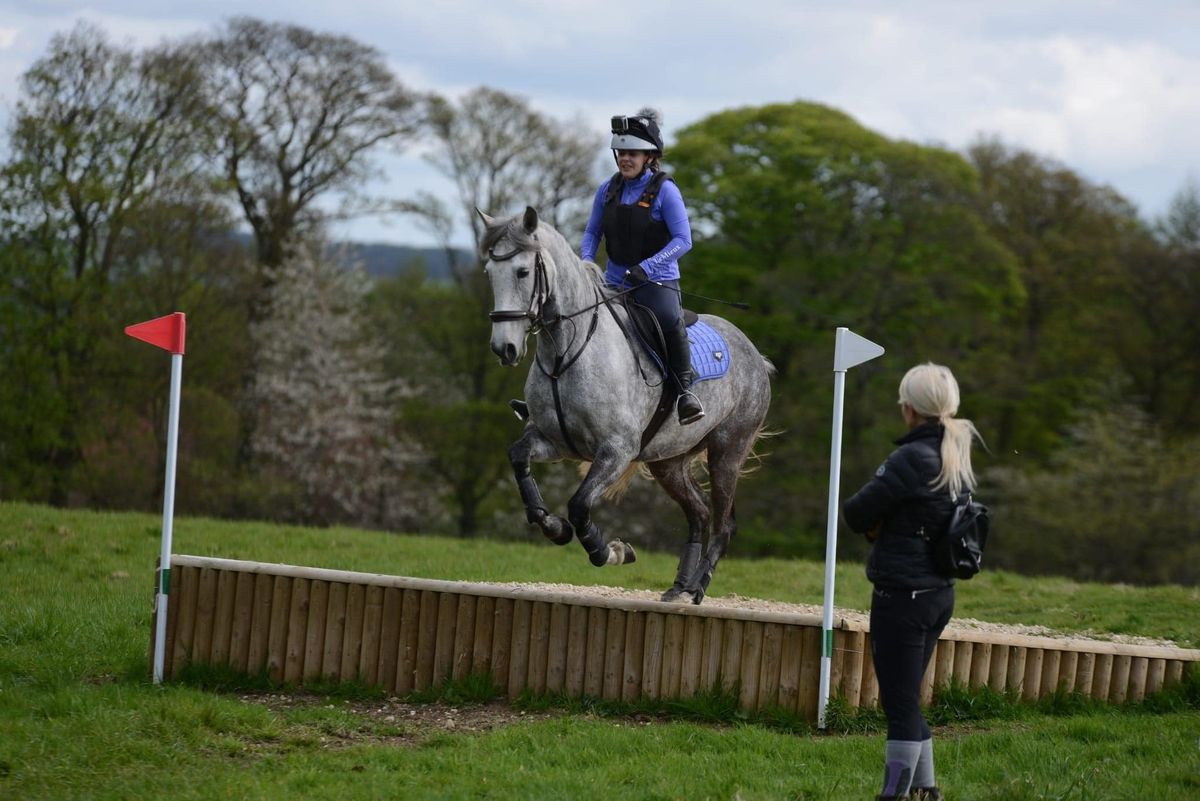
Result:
[[696, 597], [676, 596], [619, 553], [557, 530]]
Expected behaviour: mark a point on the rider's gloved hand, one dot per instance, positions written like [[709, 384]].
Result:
[[637, 275]]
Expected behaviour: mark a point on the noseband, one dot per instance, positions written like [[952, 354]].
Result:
[[537, 299]]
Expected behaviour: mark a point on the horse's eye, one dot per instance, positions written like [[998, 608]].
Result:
[[523, 272]]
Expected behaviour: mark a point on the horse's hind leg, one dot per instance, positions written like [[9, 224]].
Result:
[[725, 460], [675, 477], [532, 446], [607, 466]]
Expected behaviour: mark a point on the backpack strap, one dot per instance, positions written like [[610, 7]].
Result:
[[614, 188], [652, 189]]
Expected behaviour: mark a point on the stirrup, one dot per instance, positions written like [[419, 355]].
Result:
[[520, 409], [693, 416]]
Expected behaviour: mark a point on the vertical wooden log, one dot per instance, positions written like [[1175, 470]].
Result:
[[672, 660], [769, 668], [1031, 683], [314, 635], [577, 631], [297, 628], [635, 638], [1050, 668], [260, 625], [852, 670], [518, 649], [1156, 676], [810, 672], [172, 613], [206, 607], [368, 654], [223, 617], [1015, 681], [929, 677], [410, 636], [710, 667], [356, 602], [335, 632], [1174, 674], [464, 637], [652, 656], [837, 662], [593, 669], [614, 656], [752, 638], [693, 656], [790, 656], [501, 640], [731, 658], [1085, 670], [1119, 685], [443, 652], [981, 664], [243, 615], [1102, 676], [184, 596], [389, 637], [1138, 671], [277, 639], [943, 659], [485, 622], [556, 649], [1068, 664], [539, 647], [426, 640], [963, 654], [998, 670], [870, 687]]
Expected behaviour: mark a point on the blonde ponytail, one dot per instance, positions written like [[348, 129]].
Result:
[[932, 392]]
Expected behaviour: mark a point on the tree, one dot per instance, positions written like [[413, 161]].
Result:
[[99, 133], [325, 410], [300, 115]]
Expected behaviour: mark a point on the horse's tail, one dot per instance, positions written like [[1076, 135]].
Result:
[[618, 487]]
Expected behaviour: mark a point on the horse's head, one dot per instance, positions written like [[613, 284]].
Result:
[[517, 269]]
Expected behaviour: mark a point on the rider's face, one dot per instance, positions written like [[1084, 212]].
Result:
[[631, 163]]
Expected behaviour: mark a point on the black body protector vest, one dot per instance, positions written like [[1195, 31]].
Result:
[[630, 235]]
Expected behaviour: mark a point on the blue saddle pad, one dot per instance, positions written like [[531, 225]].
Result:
[[710, 353]]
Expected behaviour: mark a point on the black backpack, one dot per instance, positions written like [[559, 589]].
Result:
[[958, 551]]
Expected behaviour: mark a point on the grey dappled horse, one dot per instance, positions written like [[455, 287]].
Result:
[[541, 286]]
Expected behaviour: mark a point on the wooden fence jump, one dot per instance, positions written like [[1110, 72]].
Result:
[[299, 624]]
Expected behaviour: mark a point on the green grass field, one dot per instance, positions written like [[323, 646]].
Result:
[[80, 720]]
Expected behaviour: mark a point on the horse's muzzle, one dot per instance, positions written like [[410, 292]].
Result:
[[507, 352]]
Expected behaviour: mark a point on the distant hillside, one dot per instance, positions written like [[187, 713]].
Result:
[[387, 261]]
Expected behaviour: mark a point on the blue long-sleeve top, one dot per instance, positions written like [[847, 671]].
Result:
[[667, 207]]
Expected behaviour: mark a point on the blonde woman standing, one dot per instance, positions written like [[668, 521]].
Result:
[[912, 492]]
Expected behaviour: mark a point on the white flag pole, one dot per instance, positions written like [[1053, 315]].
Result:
[[849, 350], [164, 559]]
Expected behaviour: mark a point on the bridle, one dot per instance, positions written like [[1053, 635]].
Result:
[[537, 299]]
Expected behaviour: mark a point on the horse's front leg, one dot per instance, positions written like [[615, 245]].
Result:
[[607, 466], [532, 446]]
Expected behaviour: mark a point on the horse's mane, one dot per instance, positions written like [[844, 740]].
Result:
[[513, 229]]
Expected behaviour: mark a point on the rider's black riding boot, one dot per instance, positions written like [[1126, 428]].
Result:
[[679, 358]]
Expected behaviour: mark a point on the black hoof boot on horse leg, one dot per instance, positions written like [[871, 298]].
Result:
[[689, 558], [679, 357]]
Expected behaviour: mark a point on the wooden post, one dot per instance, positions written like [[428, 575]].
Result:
[[518, 649], [810, 672], [852, 669], [652, 656], [443, 651], [752, 639], [1119, 688], [539, 647], [205, 609], [356, 602], [693, 657], [1085, 670], [593, 666], [389, 637], [260, 624], [485, 618], [1138, 670], [281, 610], [1031, 683], [556, 652], [981, 664], [1067, 667], [710, 667], [635, 638], [1102, 677], [1050, 664], [223, 617], [731, 659], [672, 660], [409, 641], [501, 642], [1174, 673], [427, 619], [870, 686], [314, 635], [368, 655], [963, 653], [187, 588], [1156, 676], [243, 614], [998, 669], [576, 649], [464, 637], [769, 670], [614, 656], [1015, 680], [928, 678], [335, 631], [297, 620], [791, 654], [943, 659]]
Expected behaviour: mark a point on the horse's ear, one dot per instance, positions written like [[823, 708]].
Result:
[[487, 221], [530, 221]]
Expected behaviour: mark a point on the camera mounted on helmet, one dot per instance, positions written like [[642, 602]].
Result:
[[638, 132]]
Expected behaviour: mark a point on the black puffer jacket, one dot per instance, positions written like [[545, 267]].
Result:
[[901, 497]]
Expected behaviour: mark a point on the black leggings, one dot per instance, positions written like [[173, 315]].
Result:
[[662, 300], [904, 629]]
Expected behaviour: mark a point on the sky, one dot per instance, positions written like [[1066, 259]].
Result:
[[1110, 89]]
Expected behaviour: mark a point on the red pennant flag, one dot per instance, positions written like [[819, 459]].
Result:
[[166, 332]]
